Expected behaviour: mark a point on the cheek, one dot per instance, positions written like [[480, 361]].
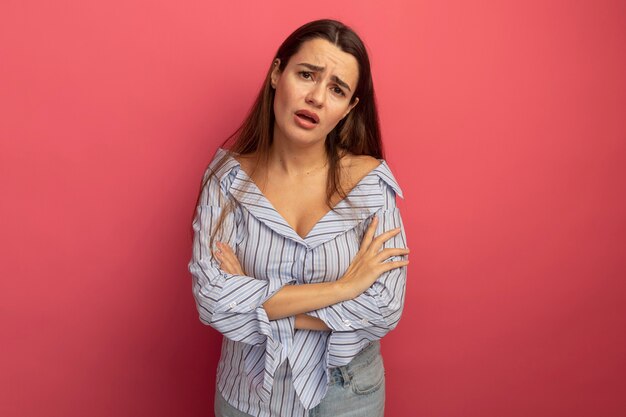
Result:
[[281, 104]]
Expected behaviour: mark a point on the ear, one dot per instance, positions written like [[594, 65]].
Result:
[[275, 75], [356, 100]]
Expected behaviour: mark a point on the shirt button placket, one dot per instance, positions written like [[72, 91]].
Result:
[[306, 267]]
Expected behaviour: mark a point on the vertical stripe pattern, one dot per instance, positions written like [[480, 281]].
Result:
[[267, 368]]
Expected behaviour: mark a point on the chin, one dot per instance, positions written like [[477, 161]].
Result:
[[301, 137]]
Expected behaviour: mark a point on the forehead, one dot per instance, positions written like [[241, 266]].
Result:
[[322, 53]]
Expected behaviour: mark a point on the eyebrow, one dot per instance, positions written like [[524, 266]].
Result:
[[321, 69]]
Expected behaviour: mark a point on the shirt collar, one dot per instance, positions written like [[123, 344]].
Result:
[[367, 197]]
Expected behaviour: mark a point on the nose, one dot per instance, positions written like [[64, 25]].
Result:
[[315, 96]]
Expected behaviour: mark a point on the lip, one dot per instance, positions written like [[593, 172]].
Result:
[[309, 114], [304, 123]]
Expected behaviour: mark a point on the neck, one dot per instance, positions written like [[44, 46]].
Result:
[[292, 159]]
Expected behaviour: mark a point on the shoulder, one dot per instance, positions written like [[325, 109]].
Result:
[[357, 167], [222, 168], [246, 161], [359, 162]]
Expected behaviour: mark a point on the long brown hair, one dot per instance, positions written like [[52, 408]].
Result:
[[357, 133]]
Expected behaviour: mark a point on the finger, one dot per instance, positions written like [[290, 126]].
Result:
[[369, 233], [230, 267], [227, 269], [227, 264], [223, 263], [222, 257], [389, 252], [228, 254], [383, 237], [230, 258], [226, 248], [388, 266]]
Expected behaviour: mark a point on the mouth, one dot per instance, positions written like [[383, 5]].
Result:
[[304, 122], [308, 116]]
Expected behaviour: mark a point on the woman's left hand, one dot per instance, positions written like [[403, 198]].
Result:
[[228, 260]]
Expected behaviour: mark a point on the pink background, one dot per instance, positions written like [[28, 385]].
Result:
[[504, 122]]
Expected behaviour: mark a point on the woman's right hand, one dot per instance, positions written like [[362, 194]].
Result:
[[368, 263]]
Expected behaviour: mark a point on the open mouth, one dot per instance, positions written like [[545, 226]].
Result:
[[307, 118]]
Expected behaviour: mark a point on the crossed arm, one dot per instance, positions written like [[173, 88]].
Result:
[[297, 300], [230, 263]]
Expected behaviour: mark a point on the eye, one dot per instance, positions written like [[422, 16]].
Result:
[[303, 73], [339, 91]]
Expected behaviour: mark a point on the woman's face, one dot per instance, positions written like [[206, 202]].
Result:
[[318, 80]]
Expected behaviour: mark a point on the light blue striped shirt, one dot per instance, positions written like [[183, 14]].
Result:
[[268, 368]]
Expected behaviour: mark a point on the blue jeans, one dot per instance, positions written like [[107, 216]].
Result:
[[355, 390]]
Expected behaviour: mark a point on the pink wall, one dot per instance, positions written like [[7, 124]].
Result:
[[504, 123]]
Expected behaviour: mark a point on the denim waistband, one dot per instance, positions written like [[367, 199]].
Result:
[[341, 374]]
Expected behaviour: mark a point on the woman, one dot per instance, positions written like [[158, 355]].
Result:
[[299, 256]]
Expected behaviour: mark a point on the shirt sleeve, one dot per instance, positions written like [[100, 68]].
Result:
[[230, 303], [375, 312]]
